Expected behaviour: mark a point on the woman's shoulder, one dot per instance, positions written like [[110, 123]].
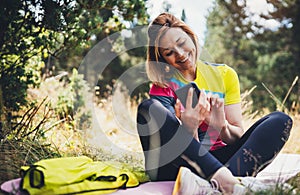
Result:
[[223, 68], [213, 64]]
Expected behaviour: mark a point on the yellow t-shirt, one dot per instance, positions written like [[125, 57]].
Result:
[[215, 78]]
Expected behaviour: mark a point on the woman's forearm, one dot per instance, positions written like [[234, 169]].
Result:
[[230, 133]]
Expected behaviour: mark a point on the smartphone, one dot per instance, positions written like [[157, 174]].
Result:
[[183, 92]]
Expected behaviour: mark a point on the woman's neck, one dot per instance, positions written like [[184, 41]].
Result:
[[189, 75]]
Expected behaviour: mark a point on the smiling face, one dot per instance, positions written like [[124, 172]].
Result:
[[178, 50], [171, 44]]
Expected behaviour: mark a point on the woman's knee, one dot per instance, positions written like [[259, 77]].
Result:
[[147, 104], [152, 111], [281, 119], [274, 124], [143, 111], [154, 108]]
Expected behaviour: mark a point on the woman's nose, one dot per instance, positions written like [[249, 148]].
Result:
[[180, 52]]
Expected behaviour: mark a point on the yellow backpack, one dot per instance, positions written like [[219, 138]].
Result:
[[78, 175]]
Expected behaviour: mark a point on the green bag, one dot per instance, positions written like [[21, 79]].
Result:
[[78, 175]]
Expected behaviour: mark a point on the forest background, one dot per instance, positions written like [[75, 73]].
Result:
[[62, 64]]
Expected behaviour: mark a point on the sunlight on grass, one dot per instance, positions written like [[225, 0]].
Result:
[[112, 135], [113, 129], [293, 144]]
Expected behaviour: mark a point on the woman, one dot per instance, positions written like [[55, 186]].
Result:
[[209, 138]]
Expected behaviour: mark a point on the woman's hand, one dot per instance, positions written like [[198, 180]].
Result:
[[216, 117], [193, 117], [225, 180], [226, 119]]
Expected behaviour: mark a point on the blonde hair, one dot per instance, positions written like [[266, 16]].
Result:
[[156, 65]]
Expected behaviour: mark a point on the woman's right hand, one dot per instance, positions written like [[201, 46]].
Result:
[[193, 117]]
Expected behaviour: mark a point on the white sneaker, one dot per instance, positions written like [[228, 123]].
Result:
[[239, 189], [188, 183]]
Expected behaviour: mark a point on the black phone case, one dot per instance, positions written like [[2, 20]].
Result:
[[183, 91]]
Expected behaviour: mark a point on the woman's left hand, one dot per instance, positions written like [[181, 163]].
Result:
[[216, 118], [230, 130]]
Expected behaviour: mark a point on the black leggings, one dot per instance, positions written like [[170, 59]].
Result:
[[167, 145]]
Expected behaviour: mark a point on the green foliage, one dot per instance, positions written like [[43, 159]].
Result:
[[13, 88], [21, 38], [61, 29], [259, 54], [131, 62], [40, 36], [71, 104], [92, 21]]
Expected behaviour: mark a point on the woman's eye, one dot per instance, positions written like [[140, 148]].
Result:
[[182, 43], [169, 53]]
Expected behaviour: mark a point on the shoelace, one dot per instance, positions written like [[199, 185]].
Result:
[[208, 190]]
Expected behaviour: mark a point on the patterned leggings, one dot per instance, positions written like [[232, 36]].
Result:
[[167, 145]]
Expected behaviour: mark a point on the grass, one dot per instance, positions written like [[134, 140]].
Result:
[[112, 136]]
